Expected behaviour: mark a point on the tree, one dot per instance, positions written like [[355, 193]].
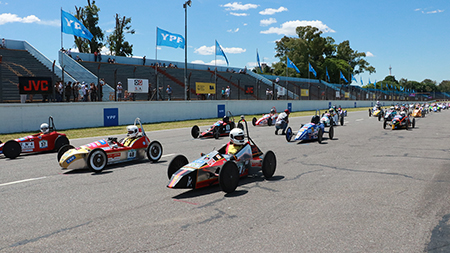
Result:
[[444, 86], [116, 40], [89, 17]]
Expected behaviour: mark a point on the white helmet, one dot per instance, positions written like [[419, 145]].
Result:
[[132, 131], [237, 136], [44, 128], [378, 102]]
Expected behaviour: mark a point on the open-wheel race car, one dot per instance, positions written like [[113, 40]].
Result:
[[218, 129], [96, 155], [376, 112], [47, 140], [222, 166], [310, 131], [267, 119], [400, 121], [418, 113]]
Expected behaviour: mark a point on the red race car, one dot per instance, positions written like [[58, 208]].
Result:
[[47, 140], [220, 128]]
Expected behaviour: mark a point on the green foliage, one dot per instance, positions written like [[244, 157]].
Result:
[[89, 17], [444, 86], [116, 40]]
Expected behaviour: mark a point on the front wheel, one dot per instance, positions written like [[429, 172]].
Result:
[[60, 142], [154, 151], [12, 149], [370, 113], [320, 135], [414, 123], [289, 134], [177, 163], [229, 177], [269, 121], [216, 133], [269, 164], [97, 160], [342, 120], [195, 131], [63, 150], [254, 121], [384, 124], [331, 132]]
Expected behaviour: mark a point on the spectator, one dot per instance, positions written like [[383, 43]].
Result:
[[95, 56], [119, 91], [69, 52], [84, 91], [223, 93], [100, 89], [99, 56], [80, 92], [75, 91], [3, 43], [60, 92], [68, 91], [93, 92], [169, 93], [160, 89], [228, 92], [78, 59], [143, 60], [268, 97], [109, 60]]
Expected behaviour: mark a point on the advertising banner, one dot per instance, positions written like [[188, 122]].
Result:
[[205, 88], [35, 85], [137, 85]]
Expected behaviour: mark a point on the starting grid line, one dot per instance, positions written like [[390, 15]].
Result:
[[22, 181]]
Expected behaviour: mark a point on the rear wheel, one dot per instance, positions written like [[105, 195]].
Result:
[[320, 135], [229, 177], [384, 124], [331, 132], [63, 150], [154, 151], [370, 113], [414, 123], [60, 142], [379, 116], [289, 134], [269, 164], [216, 133], [254, 121], [177, 162], [342, 120], [269, 121], [97, 160], [12, 149], [195, 131]]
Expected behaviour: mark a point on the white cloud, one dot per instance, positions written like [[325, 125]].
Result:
[[288, 28], [239, 6], [369, 54], [245, 24], [239, 14], [270, 11], [233, 31], [436, 11], [267, 22], [13, 18], [204, 50], [424, 11]]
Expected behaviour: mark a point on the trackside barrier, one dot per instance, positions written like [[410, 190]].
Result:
[[28, 117]]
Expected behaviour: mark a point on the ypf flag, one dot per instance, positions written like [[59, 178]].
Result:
[[165, 38], [71, 25], [290, 64], [219, 51], [257, 59]]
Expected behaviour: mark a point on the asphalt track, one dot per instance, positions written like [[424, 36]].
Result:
[[368, 190]]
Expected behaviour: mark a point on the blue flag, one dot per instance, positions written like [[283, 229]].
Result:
[[342, 77], [353, 78], [290, 64], [257, 59], [311, 69], [361, 82], [165, 38], [328, 76], [71, 25], [219, 51]]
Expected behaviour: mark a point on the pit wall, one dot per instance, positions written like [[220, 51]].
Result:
[[28, 117]]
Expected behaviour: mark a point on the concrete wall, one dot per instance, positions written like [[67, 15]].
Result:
[[28, 117]]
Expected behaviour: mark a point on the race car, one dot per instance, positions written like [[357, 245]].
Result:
[[47, 140], [389, 114], [218, 129], [310, 131], [418, 113], [376, 112], [400, 121], [267, 119], [219, 167], [96, 155], [332, 118]]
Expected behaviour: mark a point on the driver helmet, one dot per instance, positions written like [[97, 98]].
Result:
[[226, 119], [132, 131], [44, 128], [378, 102], [315, 119], [331, 110], [392, 108], [272, 111], [237, 136], [403, 113]]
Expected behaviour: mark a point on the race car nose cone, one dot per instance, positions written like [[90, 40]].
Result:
[[183, 178]]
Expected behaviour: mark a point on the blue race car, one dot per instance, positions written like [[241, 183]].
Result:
[[310, 131]]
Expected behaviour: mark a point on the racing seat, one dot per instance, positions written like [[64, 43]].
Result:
[[315, 119], [128, 141]]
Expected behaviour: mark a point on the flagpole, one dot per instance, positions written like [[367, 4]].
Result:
[[309, 81], [156, 65], [215, 64]]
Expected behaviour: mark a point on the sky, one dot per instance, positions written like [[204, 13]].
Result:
[[411, 36]]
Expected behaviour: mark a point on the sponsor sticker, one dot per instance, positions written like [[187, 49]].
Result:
[[70, 159], [27, 145], [43, 144], [113, 156]]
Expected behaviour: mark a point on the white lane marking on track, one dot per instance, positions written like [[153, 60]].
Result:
[[22, 181], [167, 155], [359, 119]]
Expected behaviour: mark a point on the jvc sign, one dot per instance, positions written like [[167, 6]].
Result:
[[111, 117], [35, 85]]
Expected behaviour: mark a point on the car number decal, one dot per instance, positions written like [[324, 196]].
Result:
[[131, 154], [43, 144]]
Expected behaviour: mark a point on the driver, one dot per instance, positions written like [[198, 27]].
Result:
[[282, 122], [237, 141], [44, 128], [226, 119], [331, 111], [132, 135]]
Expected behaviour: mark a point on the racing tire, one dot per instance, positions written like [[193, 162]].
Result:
[[254, 121], [384, 124], [331, 132], [342, 120], [407, 126], [12, 149], [216, 133], [229, 177], [232, 125], [177, 163], [320, 135], [269, 121], [414, 123], [379, 116], [195, 131], [97, 160], [154, 151], [269, 164], [241, 126], [370, 113], [289, 134], [60, 142], [63, 150]]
